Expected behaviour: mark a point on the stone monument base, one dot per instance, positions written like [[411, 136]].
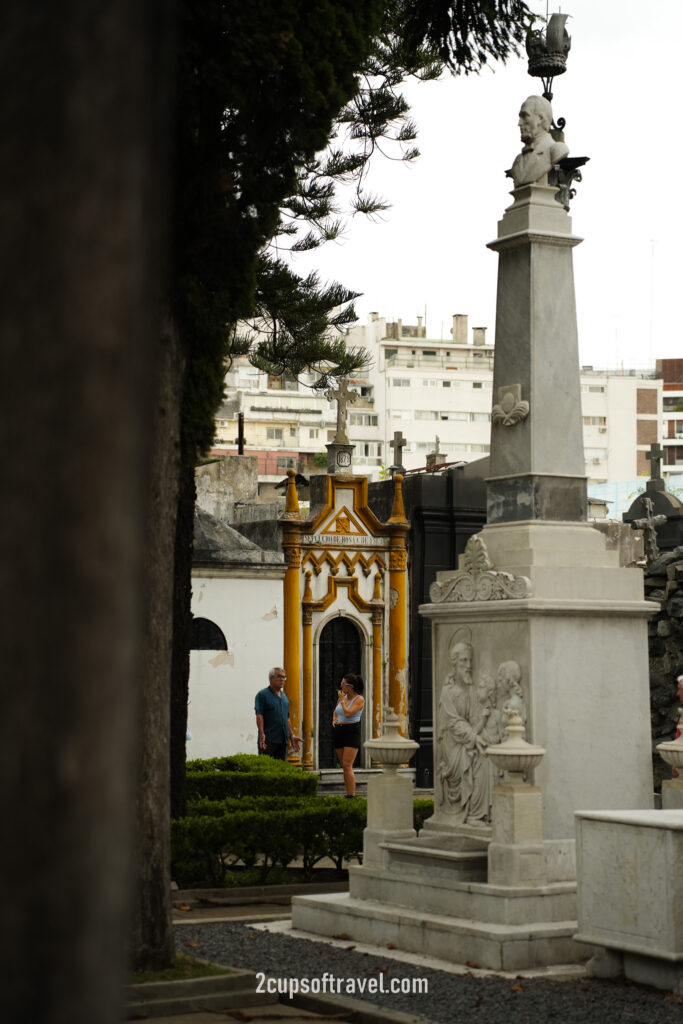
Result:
[[436, 902], [579, 639]]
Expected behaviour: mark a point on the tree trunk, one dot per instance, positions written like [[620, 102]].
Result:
[[83, 208], [151, 940], [182, 629]]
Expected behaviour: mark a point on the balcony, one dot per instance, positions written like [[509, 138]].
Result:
[[456, 361]]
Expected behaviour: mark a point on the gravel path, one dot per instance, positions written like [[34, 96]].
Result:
[[452, 999]]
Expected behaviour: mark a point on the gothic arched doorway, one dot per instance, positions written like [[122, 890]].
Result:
[[339, 652]]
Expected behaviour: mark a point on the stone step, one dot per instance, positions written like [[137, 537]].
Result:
[[435, 862], [219, 991], [505, 947], [505, 905]]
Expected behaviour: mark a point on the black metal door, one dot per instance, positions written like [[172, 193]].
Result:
[[339, 653]]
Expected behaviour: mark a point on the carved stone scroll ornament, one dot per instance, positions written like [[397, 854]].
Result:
[[510, 409], [478, 580]]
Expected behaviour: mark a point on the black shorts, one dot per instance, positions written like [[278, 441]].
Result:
[[347, 735]]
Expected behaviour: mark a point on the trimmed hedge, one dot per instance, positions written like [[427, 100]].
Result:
[[241, 775], [266, 832], [263, 831]]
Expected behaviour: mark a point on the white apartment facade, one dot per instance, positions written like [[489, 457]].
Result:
[[427, 389], [430, 389]]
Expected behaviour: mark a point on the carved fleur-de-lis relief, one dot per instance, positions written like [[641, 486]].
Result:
[[509, 409], [478, 580]]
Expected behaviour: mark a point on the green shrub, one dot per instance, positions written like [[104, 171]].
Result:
[[422, 809], [243, 763], [247, 775], [262, 835]]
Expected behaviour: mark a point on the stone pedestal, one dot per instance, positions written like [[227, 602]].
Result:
[[390, 815], [631, 894], [339, 457], [516, 816], [580, 641]]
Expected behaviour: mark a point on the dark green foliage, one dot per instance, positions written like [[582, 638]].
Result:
[[259, 87], [220, 785], [463, 34], [422, 809], [265, 832], [220, 778], [218, 835], [244, 763]]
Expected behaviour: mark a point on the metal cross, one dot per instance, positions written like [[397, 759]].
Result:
[[655, 456], [648, 524], [398, 444]]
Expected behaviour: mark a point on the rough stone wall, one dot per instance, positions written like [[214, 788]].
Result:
[[222, 483], [664, 583]]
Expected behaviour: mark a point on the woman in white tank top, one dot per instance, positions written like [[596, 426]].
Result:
[[347, 728]]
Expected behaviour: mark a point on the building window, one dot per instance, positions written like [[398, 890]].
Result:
[[285, 462], [400, 382], [476, 383], [454, 415], [292, 431], [313, 432], [596, 389], [426, 414], [363, 419], [480, 417], [205, 635], [429, 383], [274, 433], [595, 421], [401, 414]]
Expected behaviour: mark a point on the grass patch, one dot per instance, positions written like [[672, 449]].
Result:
[[185, 967]]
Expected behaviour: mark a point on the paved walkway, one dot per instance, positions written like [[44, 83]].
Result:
[[189, 910]]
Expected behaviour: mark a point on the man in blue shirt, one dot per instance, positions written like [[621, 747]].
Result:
[[272, 717]]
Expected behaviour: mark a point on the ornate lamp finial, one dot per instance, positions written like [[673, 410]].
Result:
[[547, 51]]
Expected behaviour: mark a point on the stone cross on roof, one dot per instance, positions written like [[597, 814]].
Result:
[[655, 456], [398, 444], [343, 397]]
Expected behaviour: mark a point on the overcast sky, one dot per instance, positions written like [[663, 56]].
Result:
[[621, 98]]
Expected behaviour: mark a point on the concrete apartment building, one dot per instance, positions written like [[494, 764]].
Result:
[[671, 371], [286, 423], [429, 388]]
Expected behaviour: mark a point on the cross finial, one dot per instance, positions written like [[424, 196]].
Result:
[[655, 457], [398, 444], [343, 397]]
